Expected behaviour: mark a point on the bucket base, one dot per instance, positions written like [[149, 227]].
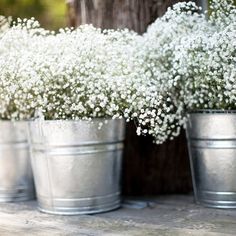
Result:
[[6, 199], [218, 205], [221, 200], [78, 210]]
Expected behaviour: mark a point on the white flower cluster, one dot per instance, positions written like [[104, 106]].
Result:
[[222, 13], [205, 62], [208, 66], [193, 58], [157, 52], [184, 61], [18, 72], [162, 37], [79, 74]]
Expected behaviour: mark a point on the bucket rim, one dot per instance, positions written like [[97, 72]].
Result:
[[79, 120]]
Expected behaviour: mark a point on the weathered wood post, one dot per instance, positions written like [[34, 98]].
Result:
[[133, 14], [148, 168]]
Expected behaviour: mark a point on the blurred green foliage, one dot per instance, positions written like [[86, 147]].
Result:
[[50, 13]]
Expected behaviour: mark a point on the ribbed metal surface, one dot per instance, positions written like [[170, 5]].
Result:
[[76, 165], [212, 149], [16, 180]]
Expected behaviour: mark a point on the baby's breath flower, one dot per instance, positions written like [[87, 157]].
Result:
[[192, 58], [77, 74], [205, 61]]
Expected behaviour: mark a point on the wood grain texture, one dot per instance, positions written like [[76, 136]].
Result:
[[148, 169], [132, 14]]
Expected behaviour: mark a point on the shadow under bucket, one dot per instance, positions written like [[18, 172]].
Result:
[[76, 165]]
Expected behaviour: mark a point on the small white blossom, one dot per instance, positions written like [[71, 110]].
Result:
[[192, 59]]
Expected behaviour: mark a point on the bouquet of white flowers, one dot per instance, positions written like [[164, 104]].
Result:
[[192, 59], [79, 74], [162, 37], [156, 51], [205, 62], [208, 66]]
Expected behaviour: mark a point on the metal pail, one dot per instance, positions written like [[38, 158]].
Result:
[[16, 180], [76, 165], [212, 149]]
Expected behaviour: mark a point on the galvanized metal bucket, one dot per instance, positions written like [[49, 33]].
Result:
[[212, 149], [16, 180], [76, 165]]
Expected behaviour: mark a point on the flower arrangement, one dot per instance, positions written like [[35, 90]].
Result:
[[65, 75], [164, 35], [208, 69], [156, 51], [192, 59], [205, 62], [78, 74], [183, 62]]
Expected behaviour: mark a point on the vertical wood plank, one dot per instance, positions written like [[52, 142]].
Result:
[[151, 169], [132, 14]]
